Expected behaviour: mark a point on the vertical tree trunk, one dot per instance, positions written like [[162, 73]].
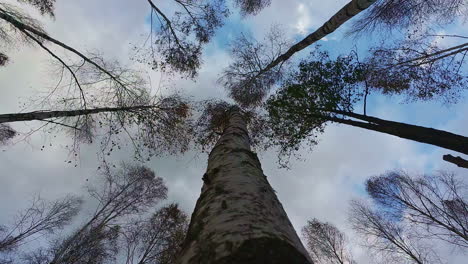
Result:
[[238, 218]]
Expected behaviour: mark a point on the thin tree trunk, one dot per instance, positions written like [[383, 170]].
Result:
[[421, 134], [353, 8], [43, 115], [238, 218]]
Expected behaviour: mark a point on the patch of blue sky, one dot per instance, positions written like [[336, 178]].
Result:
[[359, 189], [232, 28]]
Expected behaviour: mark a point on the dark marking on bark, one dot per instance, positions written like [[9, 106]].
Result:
[[229, 245], [213, 172], [224, 205], [220, 190], [206, 179], [265, 250]]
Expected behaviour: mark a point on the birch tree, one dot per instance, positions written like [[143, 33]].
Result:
[[238, 218], [326, 243], [107, 98], [390, 240], [39, 219], [156, 239], [126, 192], [325, 91], [436, 203]]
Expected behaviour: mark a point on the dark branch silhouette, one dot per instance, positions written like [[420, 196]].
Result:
[[38, 219], [390, 240], [326, 243], [157, 239], [123, 193], [459, 161], [435, 202]]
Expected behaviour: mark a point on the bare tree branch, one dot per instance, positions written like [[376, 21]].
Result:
[[40, 218], [436, 202], [387, 238], [326, 243]]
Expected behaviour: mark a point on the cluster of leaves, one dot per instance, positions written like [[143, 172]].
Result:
[[252, 7], [46, 7], [3, 59], [392, 14], [211, 123], [214, 118], [6, 133], [243, 78], [176, 41], [419, 70], [300, 109]]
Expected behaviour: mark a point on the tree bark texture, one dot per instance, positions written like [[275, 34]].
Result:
[[238, 218]]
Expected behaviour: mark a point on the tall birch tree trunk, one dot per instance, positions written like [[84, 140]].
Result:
[[44, 115], [421, 134], [238, 218]]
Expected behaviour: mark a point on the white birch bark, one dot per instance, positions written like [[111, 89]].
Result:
[[238, 218]]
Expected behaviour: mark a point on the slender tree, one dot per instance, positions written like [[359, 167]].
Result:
[[326, 243], [325, 90], [123, 193], [389, 239], [40, 218], [436, 203], [157, 239], [238, 218]]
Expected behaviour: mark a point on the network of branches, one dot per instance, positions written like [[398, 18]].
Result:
[[122, 225]]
